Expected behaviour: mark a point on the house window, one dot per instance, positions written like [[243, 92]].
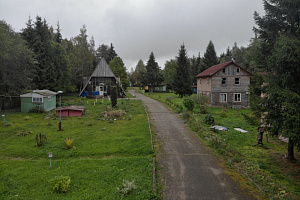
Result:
[[224, 70], [223, 97], [237, 81], [223, 81], [238, 70], [207, 81], [237, 97], [50, 98], [200, 81], [37, 99]]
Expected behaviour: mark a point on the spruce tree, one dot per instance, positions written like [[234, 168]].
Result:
[[182, 79], [282, 17], [102, 52], [111, 53], [58, 36], [278, 33], [153, 75], [210, 56]]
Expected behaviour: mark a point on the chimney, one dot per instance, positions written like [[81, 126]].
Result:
[[233, 60]]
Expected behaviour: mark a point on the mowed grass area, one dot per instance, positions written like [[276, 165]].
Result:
[[106, 151], [277, 177]]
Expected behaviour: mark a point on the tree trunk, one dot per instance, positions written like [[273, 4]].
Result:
[[291, 150]]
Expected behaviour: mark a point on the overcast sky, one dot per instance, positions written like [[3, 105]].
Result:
[[138, 27]]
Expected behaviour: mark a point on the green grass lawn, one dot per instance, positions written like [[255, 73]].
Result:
[[267, 167], [106, 151]]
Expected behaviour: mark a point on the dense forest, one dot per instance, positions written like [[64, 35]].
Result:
[[39, 58]]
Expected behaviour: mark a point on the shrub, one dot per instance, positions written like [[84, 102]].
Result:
[[61, 184], [178, 108], [23, 133], [37, 109], [114, 97], [40, 139], [209, 119], [189, 104], [203, 109], [126, 188], [69, 142], [187, 115], [27, 117], [202, 100]]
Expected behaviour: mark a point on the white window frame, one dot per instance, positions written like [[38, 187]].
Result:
[[235, 81], [37, 99], [207, 81], [235, 95], [238, 70], [224, 70], [222, 99]]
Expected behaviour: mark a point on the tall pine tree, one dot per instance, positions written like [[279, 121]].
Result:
[[278, 32], [182, 79], [111, 53], [210, 57], [153, 75]]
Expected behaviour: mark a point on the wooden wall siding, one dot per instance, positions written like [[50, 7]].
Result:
[[230, 86], [230, 100], [204, 87], [231, 70]]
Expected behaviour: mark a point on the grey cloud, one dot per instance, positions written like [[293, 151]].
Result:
[[137, 27]]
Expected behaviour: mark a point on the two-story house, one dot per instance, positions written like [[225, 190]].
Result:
[[225, 84]]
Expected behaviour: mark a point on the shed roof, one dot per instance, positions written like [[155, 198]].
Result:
[[214, 69], [72, 107], [39, 93]]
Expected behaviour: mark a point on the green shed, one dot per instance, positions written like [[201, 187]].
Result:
[[44, 99]]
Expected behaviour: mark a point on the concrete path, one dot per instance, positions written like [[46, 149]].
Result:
[[189, 171]]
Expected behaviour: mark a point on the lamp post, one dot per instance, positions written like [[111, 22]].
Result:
[[59, 125]]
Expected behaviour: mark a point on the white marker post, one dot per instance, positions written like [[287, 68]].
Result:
[[50, 155]]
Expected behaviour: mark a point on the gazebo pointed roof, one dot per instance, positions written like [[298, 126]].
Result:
[[103, 70]]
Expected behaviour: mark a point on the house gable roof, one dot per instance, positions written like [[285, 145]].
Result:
[[103, 70], [214, 69]]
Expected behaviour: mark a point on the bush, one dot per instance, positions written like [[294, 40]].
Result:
[[126, 188], [187, 115], [23, 133], [114, 97], [209, 119], [37, 109], [189, 104], [203, 109], [61, 184], [40, 139], [69, 142], [202, 100], [178, 108]]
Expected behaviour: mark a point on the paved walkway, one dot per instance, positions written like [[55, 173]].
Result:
[[189, 171]]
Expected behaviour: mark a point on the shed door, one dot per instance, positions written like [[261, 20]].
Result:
[[101, 90]]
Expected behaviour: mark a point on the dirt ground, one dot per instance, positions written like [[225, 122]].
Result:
[[188, 170]]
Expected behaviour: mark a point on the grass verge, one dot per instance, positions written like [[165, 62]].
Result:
[[108, 148]]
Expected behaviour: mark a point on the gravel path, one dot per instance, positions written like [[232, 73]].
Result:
[[188, 171]]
